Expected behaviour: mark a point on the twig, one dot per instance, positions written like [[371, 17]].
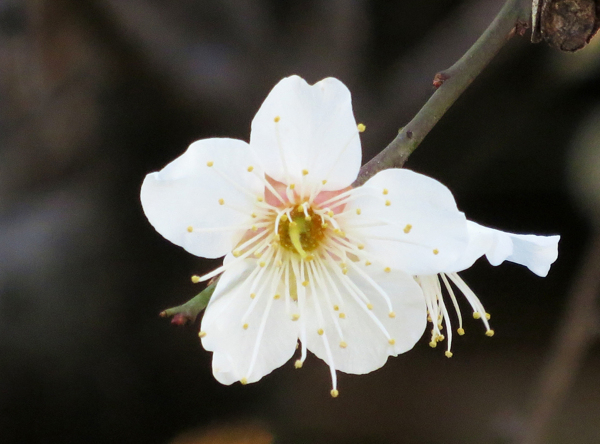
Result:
[[451, 84], [576, 335], [188, 312]]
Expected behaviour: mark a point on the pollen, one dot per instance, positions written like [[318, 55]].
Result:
[[336, 307], [253, 215], [370, 306], [320, 332], [448, 354], [292, 186], [245, 326], [304, 172], [221, 202], [210, 163], [262, 263], [260, 198], [244, 381], [295, 317], [391, 341], [460, 331], [298, 364], [250, 168], [276, 119], [385, 191], [342, 315], [476, 315], [436, 251], [392, 314], [252, 295], [488, 316], [190, 229], [489, 333], [195, 279], [387, 203], [433, 344], [276, 296], [324, 181], [358, 211], [361, 128], [334, 393], [237, 253], [387, 269], [407, 228], [202, 334], [343, 344], [367, 263]]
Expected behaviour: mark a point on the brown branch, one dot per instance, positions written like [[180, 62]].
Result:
[[452, 83]]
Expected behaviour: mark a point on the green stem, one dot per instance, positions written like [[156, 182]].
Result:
[[188, 312], [452, 83]]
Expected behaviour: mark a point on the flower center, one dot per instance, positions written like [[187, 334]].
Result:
[[303, 232]]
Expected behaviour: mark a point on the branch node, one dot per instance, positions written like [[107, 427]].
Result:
[[439, 79]]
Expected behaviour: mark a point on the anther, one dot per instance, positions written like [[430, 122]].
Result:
[[361, 246], [387, 269], [195, 279], [320, 332], [361, 128], [343, 344], [190, 229], [448, 354], [250, 168], [358, 211], [436, 251], [370, 306], [489, 333], [284, 218], [277, 296], [460, 331], [385, 191], [298, 364], [407, 228], [202, 334], [488, 316], [392, 314], [336, 307], [433, 344], [244, 381], [276, 119], [252, 295], [221, 202], [237, 253], [304, 172], [210, 163], [254, 228], [253, 215], [323, 182], [476, 315], [257, 254], [292, 186], [324, 225], [330, 213], [262, 263], [245, 326], [391, 341], [295, 317], [334, 393], [367, 263], [342, 315], [440, 338], [259, 198], [305, 284], [387, 203]]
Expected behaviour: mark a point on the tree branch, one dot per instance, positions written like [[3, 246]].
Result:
[[451, 84]]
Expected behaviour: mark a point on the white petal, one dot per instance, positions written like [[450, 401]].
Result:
[[367, 346], [535, 252], [408, 221], [234, 346], [186, 194], [302, 127]]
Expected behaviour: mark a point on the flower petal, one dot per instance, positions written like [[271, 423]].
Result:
[[535, 252], [408, 221], [369, 336], [187, 191], [266, 335], [312, 128]]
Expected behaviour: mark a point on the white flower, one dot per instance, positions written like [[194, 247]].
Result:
[[535, 252], [307, 257]]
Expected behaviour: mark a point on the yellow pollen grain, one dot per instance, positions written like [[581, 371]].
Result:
[[237, 253], [195, 279], [367, 263], [292, 186], [284, 218], [387, 203], [407, 228], [295, 317], [344, 271], [245, 326], [370, 306], [277, 296], [448, 354], [190, 229], [221, 202], [334, 393], [252, 295], [276, 119], [387, 269], [298, 364], [307, 218], [489, 333], [259, 198], [210, 163], [361, 246], [392, 314], [305, 284], [440, 338], [250, 168], [320, 332], [262, 263], [342, 315], [385, 191], [253, 215], [244, 381], [336, 307], [202, 334], [476, 315], [391, 341], [461, 331], [324, 225], [343, 344], [433, 344], [361, 128], [330, 213], [304, 172], [488, 316], [358, 211], [436, 251], [323, 182]]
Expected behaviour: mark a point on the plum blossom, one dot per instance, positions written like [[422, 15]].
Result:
[[307, 257]]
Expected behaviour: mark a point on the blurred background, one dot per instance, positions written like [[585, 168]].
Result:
[[95, 94]]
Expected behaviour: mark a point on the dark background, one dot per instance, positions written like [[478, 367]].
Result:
[[95, 94]]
